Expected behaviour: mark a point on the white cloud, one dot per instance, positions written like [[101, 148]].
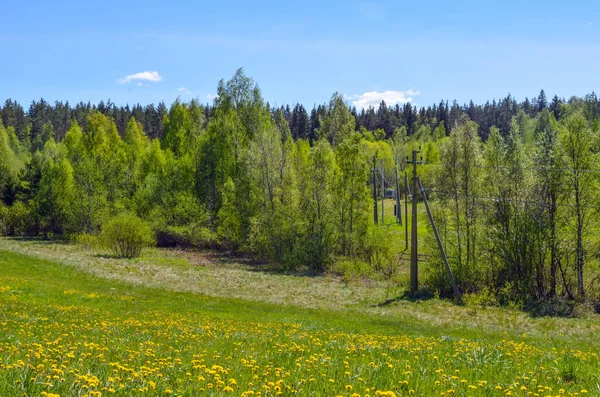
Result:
[[145, 76], [371, 11], [140, 84], [374, 98], [590, 24], [211, 96], [184, 90]]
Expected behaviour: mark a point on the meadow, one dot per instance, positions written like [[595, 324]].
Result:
[[78, 323]]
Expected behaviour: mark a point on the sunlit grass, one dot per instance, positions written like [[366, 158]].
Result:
[[66, 332]]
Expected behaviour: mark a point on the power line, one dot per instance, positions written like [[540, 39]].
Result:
[[499, 199], [507, 167]]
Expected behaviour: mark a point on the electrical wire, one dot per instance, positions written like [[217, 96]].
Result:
[[508, 199], [507, 167]]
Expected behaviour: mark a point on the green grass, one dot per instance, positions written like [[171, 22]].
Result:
[[84, 324]]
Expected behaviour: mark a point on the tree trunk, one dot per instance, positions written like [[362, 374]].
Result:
[[579, 249], [580, 288], [553, 248]]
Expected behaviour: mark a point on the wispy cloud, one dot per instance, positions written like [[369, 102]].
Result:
[[371, 11], [374, 98], [589, 24], [184, 90], [144, 76], [211, 96]]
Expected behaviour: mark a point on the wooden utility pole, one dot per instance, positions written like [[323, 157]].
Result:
[[398, 209], [414, 266], [382, 192], [440, 246], [375, 210], [406, 194]]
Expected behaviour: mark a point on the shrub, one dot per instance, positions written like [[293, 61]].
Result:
[[179, 220], [88, 241], [379, 252], [484, 297], [3, 219], [352, 269], [19, 220], [126, 235]]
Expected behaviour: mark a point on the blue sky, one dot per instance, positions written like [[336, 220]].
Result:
[[299, 51]]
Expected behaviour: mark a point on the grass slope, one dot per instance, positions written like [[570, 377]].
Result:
[[82, 324]]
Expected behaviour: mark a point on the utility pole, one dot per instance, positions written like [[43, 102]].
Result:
[[440, 246], [414, 267], [375, 214], [382, 191], [406, 194], [398, 209]]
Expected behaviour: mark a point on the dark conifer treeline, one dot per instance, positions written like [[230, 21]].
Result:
[[29, 123]]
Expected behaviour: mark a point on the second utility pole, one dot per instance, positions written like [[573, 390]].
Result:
[[375, 199], [414, 266], [398, 208], [382, 191]]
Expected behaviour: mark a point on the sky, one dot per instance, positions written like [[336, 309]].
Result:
[[400, 51]]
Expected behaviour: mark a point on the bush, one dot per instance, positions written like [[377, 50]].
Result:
[[126, 235], [88, 241], [483, 297], [3, 219], [19, 220], [181, 221], [379, 252], [352, 269]]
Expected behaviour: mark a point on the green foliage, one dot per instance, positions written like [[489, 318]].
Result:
[[135, 143], [379, 134], [19, 219], [274, 227], [380, 254], [13, 141], [577, 142], [40, 140], [229, 229], [352, 196], [460, 177], [338, 122], [55, 196], [513, 186], [97, 158], [183, 125], [181, 221], [423, 134], [90, 242], [126, 235], [4, 219], [9, 164], [439, 132], [318, 207], [484, 297], [352, 269]]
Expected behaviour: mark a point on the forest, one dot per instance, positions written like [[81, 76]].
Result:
[[513, 185]]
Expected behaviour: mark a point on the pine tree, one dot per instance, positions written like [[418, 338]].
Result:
[[542, 102]]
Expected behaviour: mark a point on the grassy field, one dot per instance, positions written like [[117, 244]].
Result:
[[79, 323]]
